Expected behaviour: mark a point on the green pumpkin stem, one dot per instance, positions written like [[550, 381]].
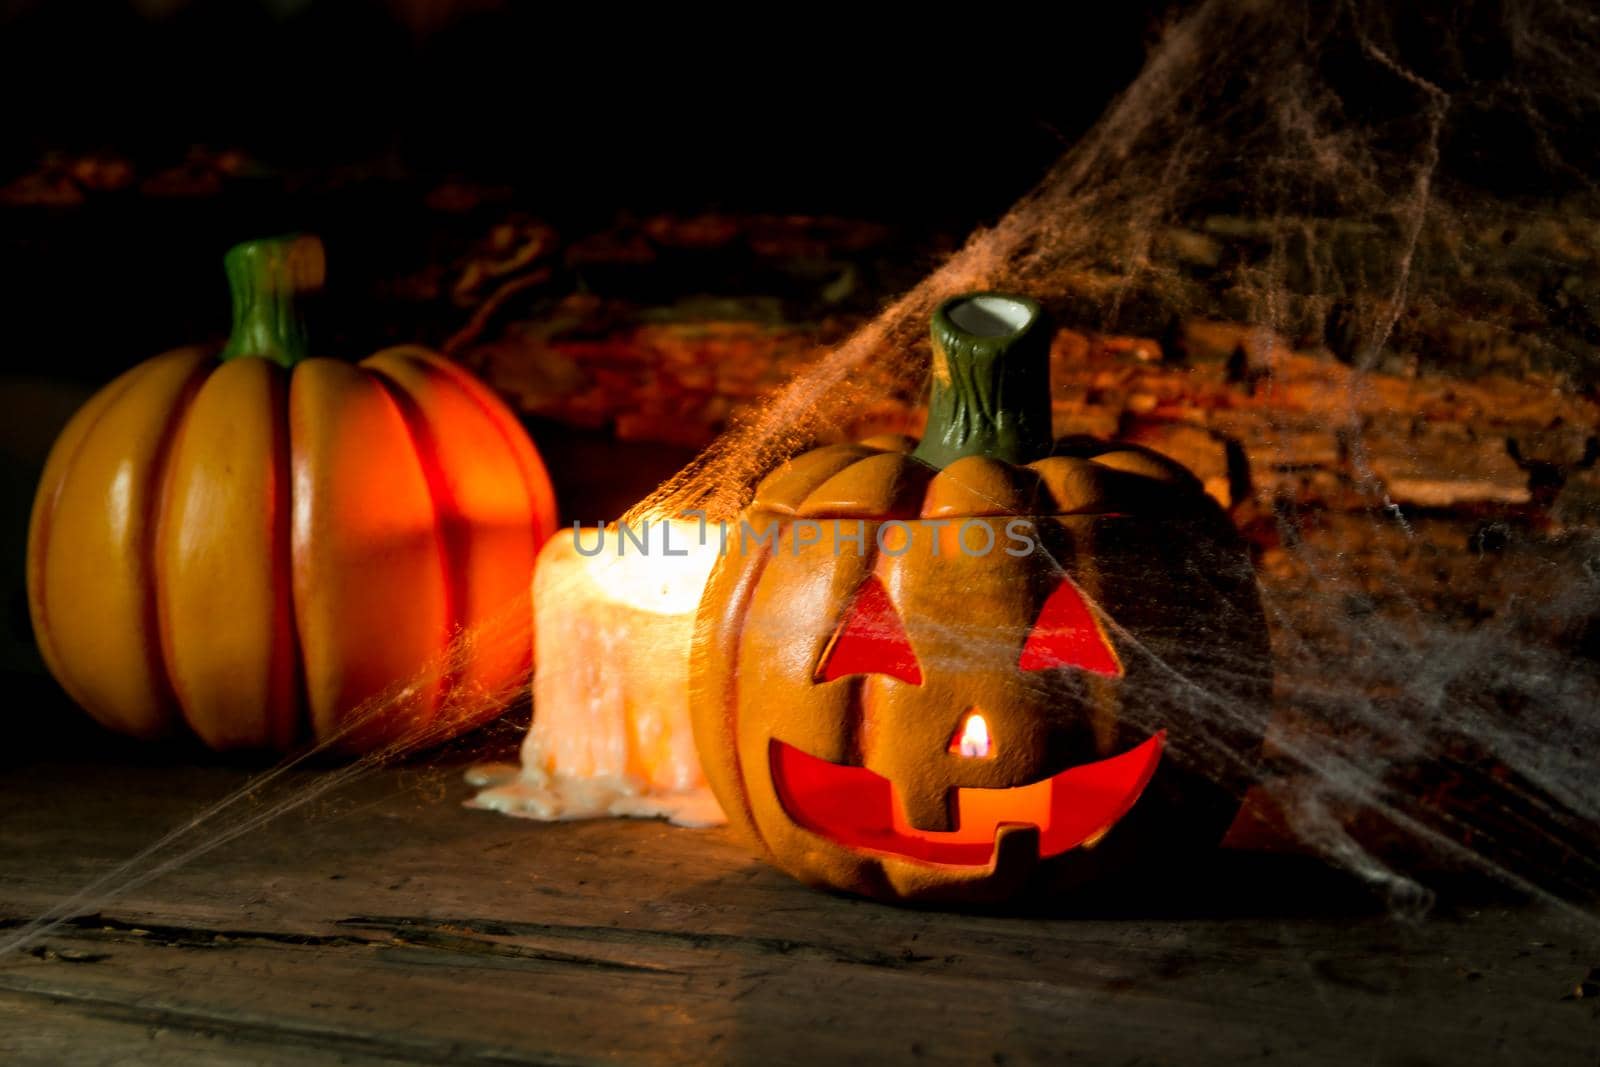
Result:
[[268, 278], [991, 381]]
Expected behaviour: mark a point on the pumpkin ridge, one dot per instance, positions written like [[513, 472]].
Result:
[[530, 467], [732, 718], [195, 447], [451, 537], [1046, 495], [364, 631], [749, 576], [856, 725], [283, 551], [491, 562], [41, 522], [786, 489], [151, 521], [1013, 489], [898, 480]]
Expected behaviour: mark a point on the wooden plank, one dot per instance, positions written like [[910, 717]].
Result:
[[388, 923], [82, 1029]]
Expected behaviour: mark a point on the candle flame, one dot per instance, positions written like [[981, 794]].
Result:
[[972, 739]]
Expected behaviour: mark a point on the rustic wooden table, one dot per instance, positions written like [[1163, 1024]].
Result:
[[383, 921]]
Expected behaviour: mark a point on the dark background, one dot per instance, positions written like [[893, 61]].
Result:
[[369, 121], [348, 115], [586, 112]]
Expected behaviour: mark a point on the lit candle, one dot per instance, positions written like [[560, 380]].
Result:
[[614, 615]]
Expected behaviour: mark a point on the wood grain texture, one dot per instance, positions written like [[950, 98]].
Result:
[[385, 923]]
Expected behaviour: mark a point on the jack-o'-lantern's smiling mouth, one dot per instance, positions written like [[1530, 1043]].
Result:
[[857, 808]]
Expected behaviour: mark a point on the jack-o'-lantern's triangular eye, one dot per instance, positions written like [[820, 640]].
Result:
[[1067, 635], [870, 640]]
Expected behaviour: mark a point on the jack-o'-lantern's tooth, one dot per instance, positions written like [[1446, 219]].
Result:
[[924, 811], [888, 485], [784, 489], [1016, 849]]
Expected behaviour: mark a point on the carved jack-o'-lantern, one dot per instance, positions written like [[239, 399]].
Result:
[[987, 665]]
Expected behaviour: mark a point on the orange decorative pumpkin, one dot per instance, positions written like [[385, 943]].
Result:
[[986, 666], [257, 544]]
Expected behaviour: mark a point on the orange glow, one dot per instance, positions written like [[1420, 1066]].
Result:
[[972, 738], [856, 808], [666, 577]]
